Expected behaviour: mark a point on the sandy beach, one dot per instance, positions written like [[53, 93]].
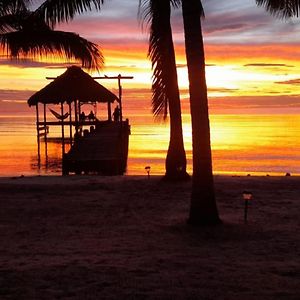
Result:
[[90, 237]]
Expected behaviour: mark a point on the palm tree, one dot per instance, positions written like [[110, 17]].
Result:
[[165, 84], [281, 8], [203, 209], [24, 33]]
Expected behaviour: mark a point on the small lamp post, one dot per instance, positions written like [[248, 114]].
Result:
[[147, 168], [247, 196]]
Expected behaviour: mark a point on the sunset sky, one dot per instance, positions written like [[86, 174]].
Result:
[[252, 58]]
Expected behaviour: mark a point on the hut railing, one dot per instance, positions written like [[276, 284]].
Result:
[[42, 129]]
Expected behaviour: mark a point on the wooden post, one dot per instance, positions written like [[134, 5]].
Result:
[[62, 130], [246, 211], [45, 132], [109, 111], [38, 135], [247, 196], [76, 118], [70, 113], [120, 97], [79, 109], [80, 120]]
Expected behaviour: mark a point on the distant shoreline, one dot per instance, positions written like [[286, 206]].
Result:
[[102, 177]]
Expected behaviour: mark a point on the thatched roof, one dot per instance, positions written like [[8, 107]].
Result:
[[73, 84]]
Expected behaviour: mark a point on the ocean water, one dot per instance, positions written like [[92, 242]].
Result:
[[256, 144]]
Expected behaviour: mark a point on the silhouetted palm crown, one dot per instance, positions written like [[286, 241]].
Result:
[[281, 8], [25, 33]]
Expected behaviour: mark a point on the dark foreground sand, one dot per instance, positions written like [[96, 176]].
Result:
[[126, 238]]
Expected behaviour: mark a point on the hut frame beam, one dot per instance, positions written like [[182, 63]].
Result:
[[119, 78], [70, 121], [62, 129], [45, 132]]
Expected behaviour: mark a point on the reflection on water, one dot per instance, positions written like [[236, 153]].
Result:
[[256, 144]]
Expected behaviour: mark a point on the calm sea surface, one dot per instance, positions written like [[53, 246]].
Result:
[[242, 144]]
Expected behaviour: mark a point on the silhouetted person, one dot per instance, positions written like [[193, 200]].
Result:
[[91, 116], [82, 116], [77, 136], [117, 114], [92, 129], [86, 132]]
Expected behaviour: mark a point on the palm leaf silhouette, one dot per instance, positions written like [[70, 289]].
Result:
[[281, 8], [153, 14], [57, 11], [47, 42], [24, 33]]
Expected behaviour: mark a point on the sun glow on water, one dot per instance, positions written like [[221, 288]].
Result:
[[257, 144]]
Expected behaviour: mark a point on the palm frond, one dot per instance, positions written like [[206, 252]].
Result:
[[145, 13], [22, 20], [144, 10], [282, 8], [9, 23], [51, 43], [12, 6], [57, 11], [175, 3], [156, 14], [160, 41]]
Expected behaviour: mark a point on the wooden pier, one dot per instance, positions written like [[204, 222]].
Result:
[[103, 151], [103, 147]]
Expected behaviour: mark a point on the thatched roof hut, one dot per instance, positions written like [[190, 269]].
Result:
[[74, 84]]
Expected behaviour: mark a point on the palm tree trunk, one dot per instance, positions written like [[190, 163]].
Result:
[[162, 42], [176, 157], [203, 209]]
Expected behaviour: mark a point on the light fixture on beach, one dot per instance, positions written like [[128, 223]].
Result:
[[147, 168], [247, 196]]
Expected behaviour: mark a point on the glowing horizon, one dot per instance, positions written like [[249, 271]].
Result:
[[248, 54]]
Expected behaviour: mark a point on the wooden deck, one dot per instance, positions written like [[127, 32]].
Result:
[[67, 123], [104, 151]]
